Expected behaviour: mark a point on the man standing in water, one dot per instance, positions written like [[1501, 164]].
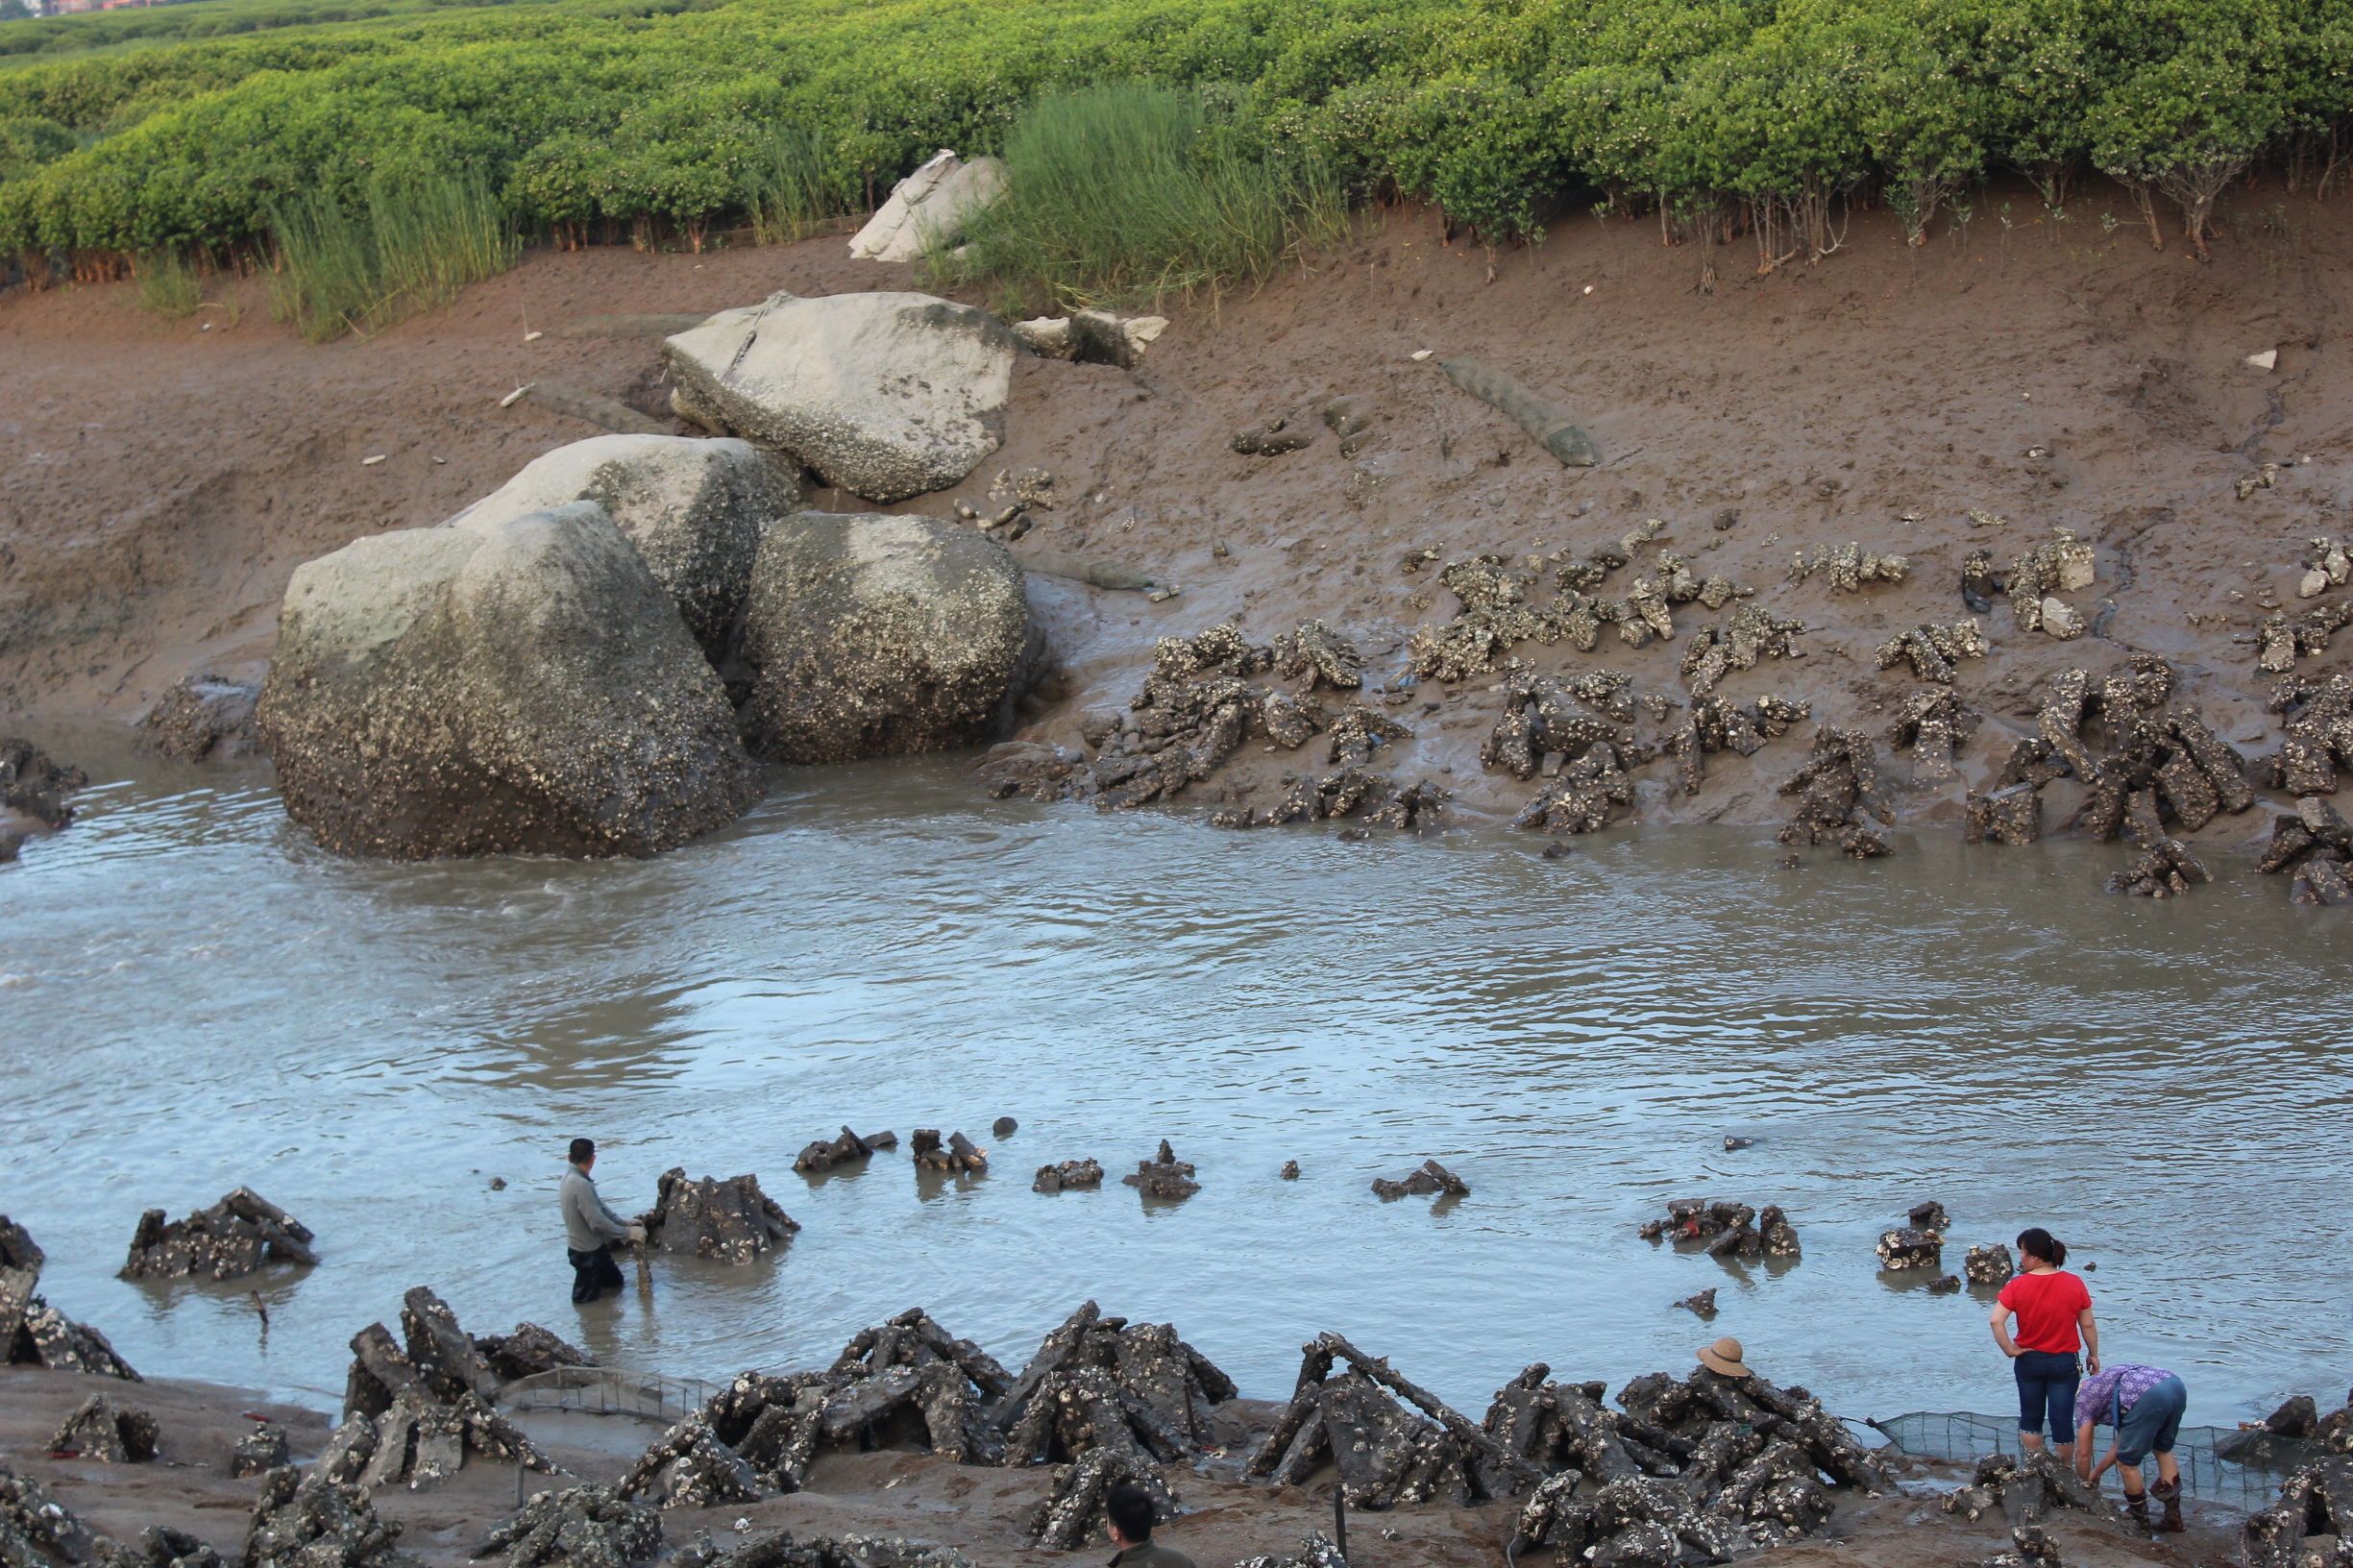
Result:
[[590, 1227]]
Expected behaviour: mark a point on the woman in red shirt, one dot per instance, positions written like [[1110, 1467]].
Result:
[[2053, 1310]]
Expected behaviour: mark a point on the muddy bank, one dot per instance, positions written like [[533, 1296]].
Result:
[[1950, 408]]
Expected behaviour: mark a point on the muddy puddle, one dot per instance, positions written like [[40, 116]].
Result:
[[196, 999]]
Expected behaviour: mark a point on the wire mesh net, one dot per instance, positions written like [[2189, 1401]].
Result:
[[2218, 1464], [607, 1391]]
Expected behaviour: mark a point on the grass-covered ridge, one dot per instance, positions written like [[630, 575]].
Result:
[[595, 118]]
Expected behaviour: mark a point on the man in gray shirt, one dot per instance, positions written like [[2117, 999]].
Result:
[[590, 1227]]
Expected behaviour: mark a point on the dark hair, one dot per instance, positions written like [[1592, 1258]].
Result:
[[1130, 1508], [2038, 1243], [583, 1148]]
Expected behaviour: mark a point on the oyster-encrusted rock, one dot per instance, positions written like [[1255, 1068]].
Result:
[[958, 1154], [1931, 650], [1848, 567], [732, 1220], [1427, 1178], [35, 1334], [307, 1521], [1070, 1173], [585, 1527], [99, 1429], [204, 718], [1935, 725], [1988, 1265], [1837, 790], [233, 1238], [1164, 1175], [1906, 1248]]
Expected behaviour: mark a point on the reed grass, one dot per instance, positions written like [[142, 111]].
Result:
[[170, 285], [1121, 194], [795, 191], [355, 267]]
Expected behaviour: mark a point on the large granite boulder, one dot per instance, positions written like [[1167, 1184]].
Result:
[[693, 508], [884, 395], [931, 207], [869, 635], [501, 686]]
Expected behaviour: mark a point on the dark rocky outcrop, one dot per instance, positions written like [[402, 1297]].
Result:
[[732, 1220], [1164, 1175], [1427, 1177], [35, 784]]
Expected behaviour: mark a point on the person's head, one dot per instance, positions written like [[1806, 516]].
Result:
[[583, 1152], [1131, 1511], [2039, 1246]]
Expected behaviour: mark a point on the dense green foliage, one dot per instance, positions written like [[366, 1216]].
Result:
[[595, 118], [1124, 193]]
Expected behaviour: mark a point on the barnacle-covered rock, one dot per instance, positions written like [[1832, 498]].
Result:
[[307, 1521], [35, 1334], [1073, 1515], [2060, 565], [777, 1549], [36, 1530], [2280, 642], [1164, 1175], [1736, 643], [229, 1239], [1932, 649], [1384, 1453], [959, 1154], [1100, 1380], [1589, 793], [2164, 871], [526, 1352], [37, 784], [847, 1147], [1079, 1173], [732, 1220], [1427, 1178], [2320, 726], [1935, 725], [99, 1429], [2025, 1489], [1988, 1265], [1837, 790], [259, 1450], [1315, 1551], [1848, 567], [586, 1526], [1978, 584], [1907, 1247]]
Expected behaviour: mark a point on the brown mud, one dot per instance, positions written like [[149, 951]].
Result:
[[159, 481]]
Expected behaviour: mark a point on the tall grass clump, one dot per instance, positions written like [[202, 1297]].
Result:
[[404, 247], [1119, 194], [170, 285], [796, 190]]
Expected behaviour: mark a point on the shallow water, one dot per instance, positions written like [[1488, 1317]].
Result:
[[194, 998]]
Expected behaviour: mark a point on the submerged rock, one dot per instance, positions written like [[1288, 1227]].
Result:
[[1704, 1303], [2165, 871], [872, 635], [845, 1148], [1908, 1248], [1430, 1177], [233, 1238], [1988, 1265], [959, 1154], [36, 784], [732, 1220], [693, 508], [513, 688], [203, 718], [884, 395]]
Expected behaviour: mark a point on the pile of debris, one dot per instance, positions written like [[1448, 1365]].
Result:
[[232, 1237], [827, 1153], [2315, 842], [2165, 871], [1932, 649], [2024, 1490], [313, 1520], [1385, 1454], [1164, 1175], [1836, 790], [1083, 1173], [99, 1429], [1427, 1177], [732, 1220], [959, 1154], [35, 1334], [586, 1526], [1731, 1230], [413, 1415]]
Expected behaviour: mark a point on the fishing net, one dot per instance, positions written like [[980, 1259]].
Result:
[[2239, 1469]]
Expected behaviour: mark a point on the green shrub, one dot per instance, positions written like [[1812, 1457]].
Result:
[[1121, 194]]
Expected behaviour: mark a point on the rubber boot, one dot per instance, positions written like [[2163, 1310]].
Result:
[[2135, 1509], [2169, 1492]]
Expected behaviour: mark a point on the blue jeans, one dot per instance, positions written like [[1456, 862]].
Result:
[[2046, 1383], [2151, 1424]]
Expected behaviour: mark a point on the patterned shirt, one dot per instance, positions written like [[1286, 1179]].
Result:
[[2114, 1391]]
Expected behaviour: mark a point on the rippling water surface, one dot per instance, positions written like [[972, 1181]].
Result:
[[194, 998]]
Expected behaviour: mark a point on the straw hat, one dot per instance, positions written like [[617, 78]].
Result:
[[1723, 1357]]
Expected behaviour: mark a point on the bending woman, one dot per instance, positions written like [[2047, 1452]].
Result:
[[2053, 1310]]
